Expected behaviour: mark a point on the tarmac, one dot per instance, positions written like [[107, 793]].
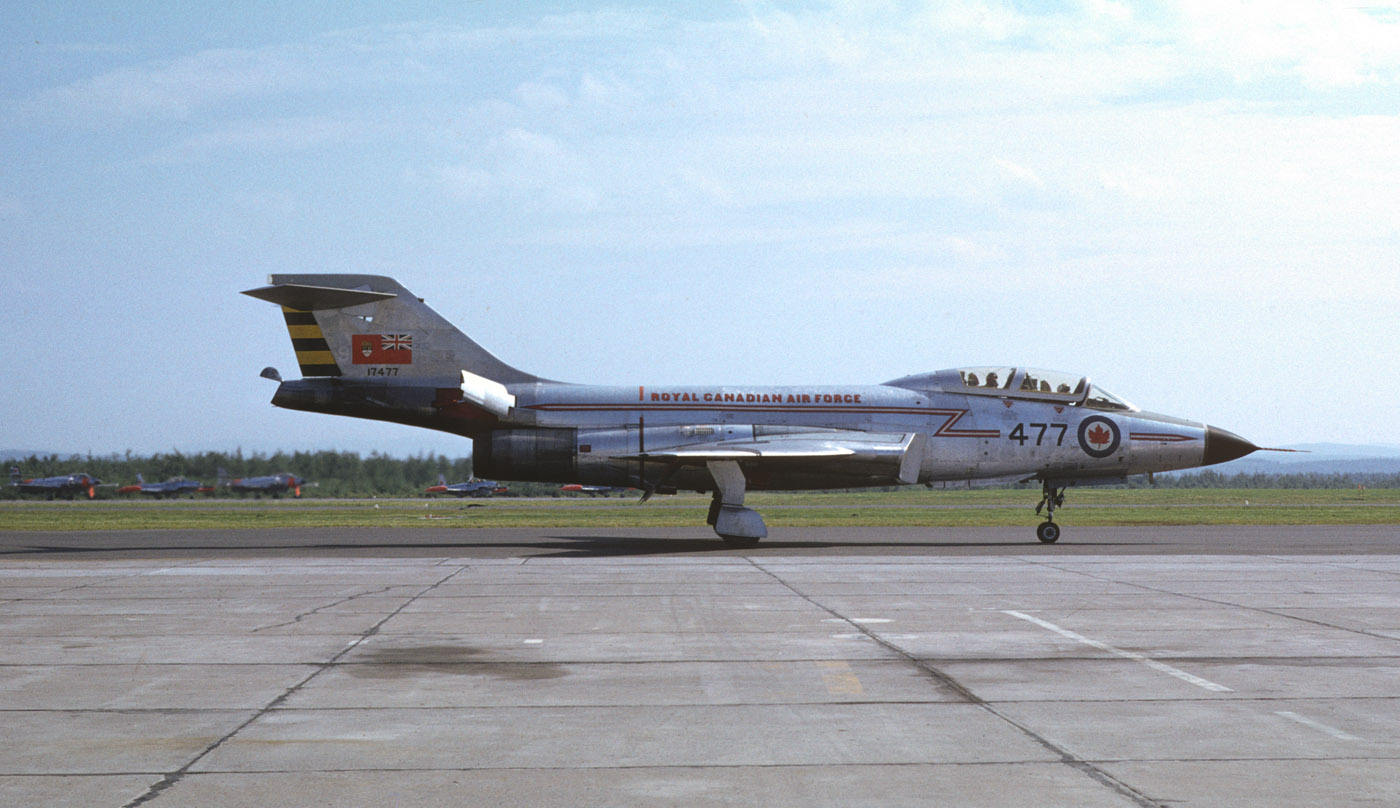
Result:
[[1202, 666]]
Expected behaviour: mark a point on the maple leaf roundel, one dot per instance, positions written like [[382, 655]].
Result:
[[1098, 436]]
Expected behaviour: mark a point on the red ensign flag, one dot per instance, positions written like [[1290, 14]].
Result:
[[381, 349]]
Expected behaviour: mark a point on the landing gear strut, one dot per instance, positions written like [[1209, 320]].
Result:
[[736, 525], [1051, 498]]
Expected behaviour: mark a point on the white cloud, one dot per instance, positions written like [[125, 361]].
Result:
[[537, 97], [175, 89], [1119, 13], [1325, 44], [464, 181], [526, 166], [1018, 173], [245, 136], [605, 91], [1138, 183], [983, 21], [798, 41]]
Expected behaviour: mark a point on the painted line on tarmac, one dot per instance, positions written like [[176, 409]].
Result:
[[1317, 725], [1133, 655]]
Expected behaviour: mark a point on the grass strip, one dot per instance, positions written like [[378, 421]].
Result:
[[913, 508]]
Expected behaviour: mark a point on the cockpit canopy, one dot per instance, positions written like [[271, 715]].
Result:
[[1028, 384]]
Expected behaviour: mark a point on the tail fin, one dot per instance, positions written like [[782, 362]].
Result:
[[368, 325]]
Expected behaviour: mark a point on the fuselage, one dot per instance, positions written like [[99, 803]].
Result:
[[576, 433]]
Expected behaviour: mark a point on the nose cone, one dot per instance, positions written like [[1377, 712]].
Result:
[[1223, 446]]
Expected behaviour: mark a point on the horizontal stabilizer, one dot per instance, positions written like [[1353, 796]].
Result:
[[316, 298]]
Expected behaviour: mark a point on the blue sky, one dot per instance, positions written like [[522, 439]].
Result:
[[1197, 204]]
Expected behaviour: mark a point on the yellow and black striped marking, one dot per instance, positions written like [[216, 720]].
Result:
[[313, 353]]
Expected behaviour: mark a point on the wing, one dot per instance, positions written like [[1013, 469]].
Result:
[[898, 454]]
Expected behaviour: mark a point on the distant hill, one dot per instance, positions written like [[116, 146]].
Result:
[[1316, 458]]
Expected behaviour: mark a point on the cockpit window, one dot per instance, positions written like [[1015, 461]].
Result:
[[989, 378], [1028, 384], [1101, 399], [1049, 381]]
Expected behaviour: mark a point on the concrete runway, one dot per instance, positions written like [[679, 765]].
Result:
[[700, 541], [1121, 667]]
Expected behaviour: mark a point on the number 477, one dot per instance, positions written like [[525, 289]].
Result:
[[1019, 433]]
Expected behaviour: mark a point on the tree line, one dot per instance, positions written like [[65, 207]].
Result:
[[331, 474], [1215, 479]]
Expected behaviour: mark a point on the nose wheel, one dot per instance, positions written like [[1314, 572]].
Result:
[[1051, 498]]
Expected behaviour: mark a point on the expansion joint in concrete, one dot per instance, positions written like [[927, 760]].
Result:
[[1066, 757], [174, 777]]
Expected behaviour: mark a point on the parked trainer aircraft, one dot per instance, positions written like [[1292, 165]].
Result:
[[172, 488], [369, 348], [591, 490], [470, 488], [274, 484], [67, 486]]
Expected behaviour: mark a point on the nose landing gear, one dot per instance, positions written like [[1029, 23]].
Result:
[[1047, 532], [1051, 498]]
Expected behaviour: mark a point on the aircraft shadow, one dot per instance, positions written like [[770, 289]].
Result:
[[612, 546], [562, 546]]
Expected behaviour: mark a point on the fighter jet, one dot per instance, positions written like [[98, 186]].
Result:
[[369, 348], [171, 488], [470, 488], [67, 486]]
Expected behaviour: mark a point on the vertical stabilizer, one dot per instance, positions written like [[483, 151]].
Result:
[[370, 326]]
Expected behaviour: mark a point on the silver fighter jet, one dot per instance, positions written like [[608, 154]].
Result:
[[369, 348]]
